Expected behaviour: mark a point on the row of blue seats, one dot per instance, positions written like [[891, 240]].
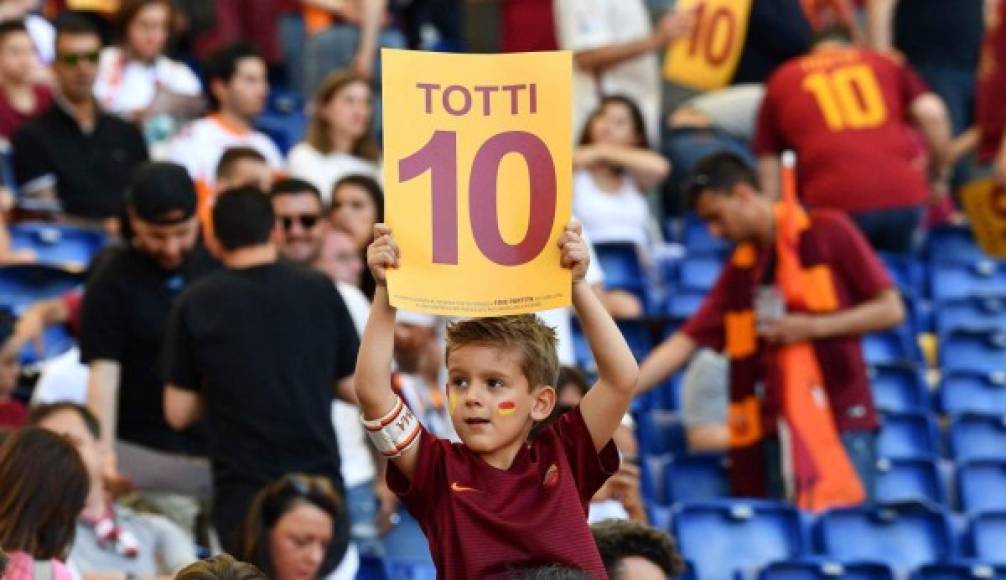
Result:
[[943, 245], [721, 538], [971, 486], [906, 435], [830, 570]]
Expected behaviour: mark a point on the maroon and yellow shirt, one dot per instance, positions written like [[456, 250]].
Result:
[[483, 522], [844, 113], [856, 275]]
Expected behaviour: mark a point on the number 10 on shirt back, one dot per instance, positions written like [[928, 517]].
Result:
[[477, 173]]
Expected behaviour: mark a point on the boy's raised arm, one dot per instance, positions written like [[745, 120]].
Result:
[[372, 380], [608, 400]]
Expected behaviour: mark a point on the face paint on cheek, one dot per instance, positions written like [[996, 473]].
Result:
[[507, 408], [452, 399]]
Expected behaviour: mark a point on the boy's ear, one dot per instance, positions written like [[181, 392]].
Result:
[[544, 401]]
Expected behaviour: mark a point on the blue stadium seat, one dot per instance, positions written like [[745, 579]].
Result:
[[988, 537], [959, 572], [909, 479], [977, 436], [699, 240], [825, 571], [899, 388], [20, 286], [981, 485], [666, 396], [726, 536], [622, 267], [891, 347], [371, 568], [652, 478], [285, 101], [976, 313], [698, 274], [905, 271], [963, 280], [660, 516], [976, 351], [581, 350], [660, 432], [901, 535], [57, 245], [963, 392], [285, 129], [692, 478], [908, 436], [638, 336], [950, 244], [409, 571], [681, 305]]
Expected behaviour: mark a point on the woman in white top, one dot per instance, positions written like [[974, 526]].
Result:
[[339, 140], [137, 81], [613, 168]]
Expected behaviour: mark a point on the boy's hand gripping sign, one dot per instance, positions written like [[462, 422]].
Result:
[[477, 158]]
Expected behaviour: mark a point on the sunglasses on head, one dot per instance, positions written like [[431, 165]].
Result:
[[307, 220], [72, 58]]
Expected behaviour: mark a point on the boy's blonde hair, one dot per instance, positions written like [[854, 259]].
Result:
[[526, 333]]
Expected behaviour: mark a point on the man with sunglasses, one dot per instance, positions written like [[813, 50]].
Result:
[[74, 153]]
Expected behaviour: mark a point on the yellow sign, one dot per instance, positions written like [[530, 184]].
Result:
[[477, 171], [985, 204], [707, 59]]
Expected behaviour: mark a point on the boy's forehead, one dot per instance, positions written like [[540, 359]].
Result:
[[485, 355]]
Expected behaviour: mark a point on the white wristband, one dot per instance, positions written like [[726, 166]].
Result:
[[395, 432]]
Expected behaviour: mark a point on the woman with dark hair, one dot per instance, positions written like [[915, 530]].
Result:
[[43, 486], [291, 531], [137, 81], [358, 204], [614, 167], [339, 141]]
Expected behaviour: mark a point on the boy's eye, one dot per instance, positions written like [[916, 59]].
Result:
[[494, 383], [459, 382]]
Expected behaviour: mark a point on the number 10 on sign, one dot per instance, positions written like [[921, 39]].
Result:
[[477, 158]]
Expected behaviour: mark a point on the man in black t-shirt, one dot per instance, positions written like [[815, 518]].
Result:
[[126, 305], [74, 151], [259, 349]]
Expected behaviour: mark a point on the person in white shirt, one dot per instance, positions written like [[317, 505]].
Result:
[[237, 87], [137, 81], [613, 168], [614, 52], [339, 140]]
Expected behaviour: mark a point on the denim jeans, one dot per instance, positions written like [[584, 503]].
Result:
[[362, 505], [891, 230], [861, 447]]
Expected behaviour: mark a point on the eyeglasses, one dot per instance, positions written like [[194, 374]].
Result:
[[307, 220], [72, 58]]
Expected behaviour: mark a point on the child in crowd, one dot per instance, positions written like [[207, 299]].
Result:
[[500, 502], [13, 413]]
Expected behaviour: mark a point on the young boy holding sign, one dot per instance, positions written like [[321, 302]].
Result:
[[499, 502]]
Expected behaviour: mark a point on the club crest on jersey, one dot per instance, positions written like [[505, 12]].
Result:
[[551, 476]]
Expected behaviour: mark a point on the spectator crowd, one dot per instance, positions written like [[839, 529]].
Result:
[[193, 319]]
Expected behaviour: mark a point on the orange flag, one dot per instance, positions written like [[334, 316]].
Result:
[[815, 461]]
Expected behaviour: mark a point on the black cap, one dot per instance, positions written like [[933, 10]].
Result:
[[162, 193]]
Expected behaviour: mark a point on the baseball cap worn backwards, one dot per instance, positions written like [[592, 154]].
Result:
[[162, 193]]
